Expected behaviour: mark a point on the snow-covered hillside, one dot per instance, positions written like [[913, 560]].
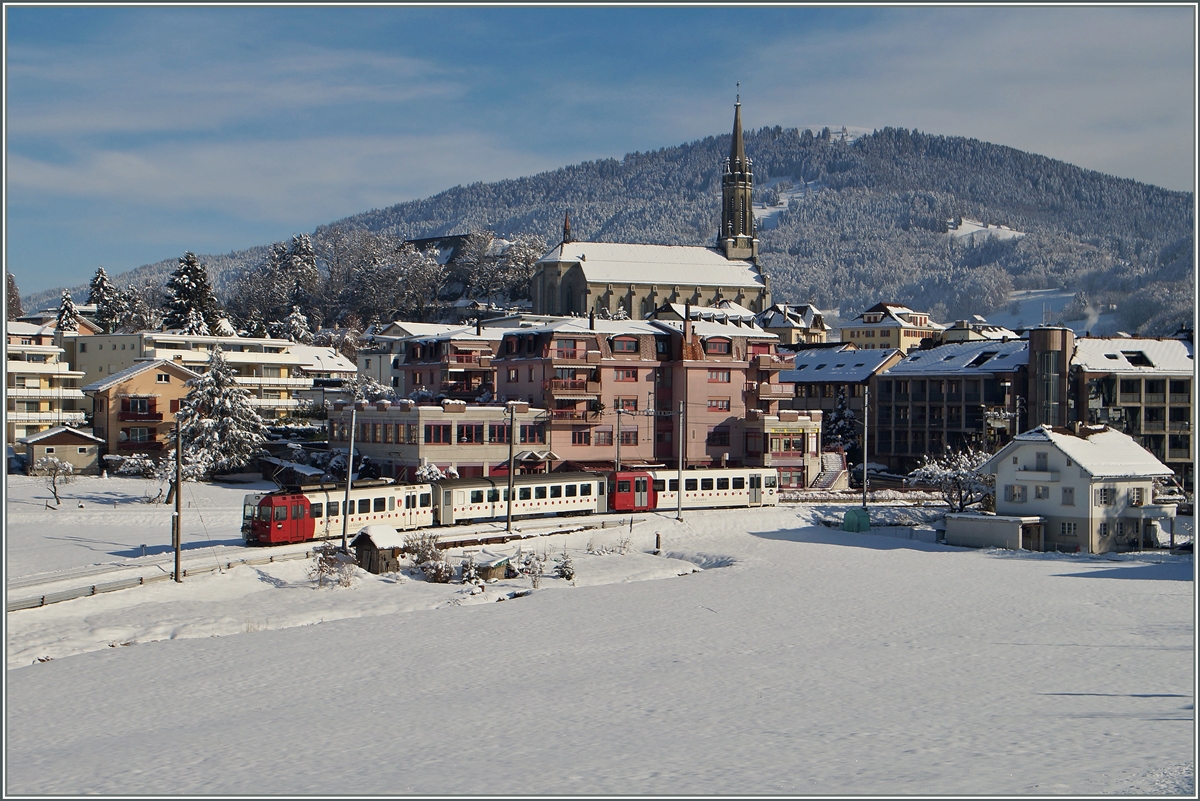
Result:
[[800, 660]]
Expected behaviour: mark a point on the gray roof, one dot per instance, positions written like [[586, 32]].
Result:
[[826, 365], [49, 432], [965, 358], [1101, 452]]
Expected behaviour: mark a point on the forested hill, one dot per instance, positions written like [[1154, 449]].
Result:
[[852, 222]]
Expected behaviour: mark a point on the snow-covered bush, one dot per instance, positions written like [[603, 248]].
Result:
[[430, 472], [331, 566], [422, 547], [957, 475], [438, 570], [563, 566], [137, 464], [469, 573], [533, 565]]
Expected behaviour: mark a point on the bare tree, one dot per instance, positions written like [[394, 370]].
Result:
[[56, 472]]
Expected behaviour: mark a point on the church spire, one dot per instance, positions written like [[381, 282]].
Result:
[[737, 237], [567, 227]]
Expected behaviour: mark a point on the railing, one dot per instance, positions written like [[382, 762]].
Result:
[[43, 392], [1130, 397], [463, 358], [147, 417], [147, 445], [1179, 453], [1181, 397], [1180, 425], [565, 383], [567, 414], [1154, 425], [1156, 397], [276, 403], [766, 390], [272, 381], [45, 417], [574, 354]]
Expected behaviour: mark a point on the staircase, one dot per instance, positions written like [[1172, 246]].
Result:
[[833, 473]]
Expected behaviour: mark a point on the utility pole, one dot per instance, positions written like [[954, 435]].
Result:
[[617, 461], [177, 533], [512, 417], [679, 470], [349, 476], [866, 430]]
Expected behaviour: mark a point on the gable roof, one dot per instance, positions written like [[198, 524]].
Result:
[[1133, 355], [51, 432], [140, 366], [661, 265], [1100, 452]]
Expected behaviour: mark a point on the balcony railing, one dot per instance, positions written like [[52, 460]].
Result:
[[1179, 425], [1154, 425], [576, 354], [1156, 397], [148, 417], [147, 445], [1130, 397], [568, 414], [272, 381], [1181, 397], [1179, 453], [44, 392], [45, 417]]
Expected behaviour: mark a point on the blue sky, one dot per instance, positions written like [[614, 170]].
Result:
[[135, 133]]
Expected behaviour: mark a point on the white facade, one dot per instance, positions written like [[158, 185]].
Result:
[[41, 390]]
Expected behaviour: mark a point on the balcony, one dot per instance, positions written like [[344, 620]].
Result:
[[571, 386], [1154, 425], [65, 418], [275, 403], [764, 391], [573, 355], [1179, 425], [140, 417], [767, 361], [1156, 397], [466, 388], [147, 445], [568, 414], [1177, 397], [1179, 453], [45, 393], [1130, 397], [1037, 476], [271, 381]]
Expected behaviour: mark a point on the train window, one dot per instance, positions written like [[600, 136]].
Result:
[[334, 508], [426, 499], [391, 502], [690, 484], [380, 505], [706, 483], [585, 489], [722, 483], [281, 513], [570, 492], [556, 491], [318, 510], [410, 501], [769, 481], [364, 506], [476, 496], [539, 493], [264, 513], [493, 495], [659, 485], [447, 499], [673, 485], [739, 482], [622, 486], [248, 511], [524, 493]]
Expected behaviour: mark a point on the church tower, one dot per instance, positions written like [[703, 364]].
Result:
[[738, 237]]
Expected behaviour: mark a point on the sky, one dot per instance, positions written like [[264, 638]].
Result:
[[135, 133]]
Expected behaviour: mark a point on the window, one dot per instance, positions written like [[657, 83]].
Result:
[[621, 374], [364, 506], [625, 345], [627, 404], [722, 483], [163, 378], [524, 493], [1135, 496], [1014, 493], [718, 376], [718, 404], [539, 493], [83, 347], [379, 505], [533, 432], [281, 513], [581, 436], [497, 432], [739, 482], [569, 490], [690, 485], [1041, 493], [1104, 496], [470, 432], [84, 450], [49, 450], [136, 435], [769, 481], [426, 500], [1103, 532], [334, 508], [629, 437], [438, 434], [718, 436], [1068, 496], [556, 491], [512, 374], [493, 496], [317, 510], [476, 496], [706, 483], [717, 346], [585, 489]]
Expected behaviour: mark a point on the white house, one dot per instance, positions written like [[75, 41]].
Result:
[[1091, 488]]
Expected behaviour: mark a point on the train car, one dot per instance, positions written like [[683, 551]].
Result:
[[298, 514], [465, 500], [643, 490]]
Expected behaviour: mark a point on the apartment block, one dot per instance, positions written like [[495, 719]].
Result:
[[41, 388], [890, 325]]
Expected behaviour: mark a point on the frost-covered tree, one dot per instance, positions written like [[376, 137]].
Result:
[[56, 472], [429, 472], [68, 315], [219, 427], [842, 426], [195, 324], [956, 474], [12, 298], [190, 294], [104, 294], [295, 327]]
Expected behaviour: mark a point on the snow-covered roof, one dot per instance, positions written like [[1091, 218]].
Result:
[[964, 358], [793, 315], [725, 310], [843, 366], [1101, 452], [50, 432], [382, 536], [705, 329], [661, 265], [29, 329], [1132, 355], [141, 366], [322, 360], [895, 313]]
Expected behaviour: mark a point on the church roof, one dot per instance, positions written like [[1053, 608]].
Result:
[[661, 265]]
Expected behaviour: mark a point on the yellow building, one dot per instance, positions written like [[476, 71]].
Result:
[[890, 325]]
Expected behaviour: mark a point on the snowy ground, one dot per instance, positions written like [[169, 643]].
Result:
[[800, 660]]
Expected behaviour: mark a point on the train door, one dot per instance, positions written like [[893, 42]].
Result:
[[641, 492], [756, 489]]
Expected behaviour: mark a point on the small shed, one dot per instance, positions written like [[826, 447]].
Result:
[[984, 530], [81, 450], [490, 566], [378, 548], [856, 520]]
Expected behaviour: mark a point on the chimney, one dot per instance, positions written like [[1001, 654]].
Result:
[[687, 322], [592, 320]]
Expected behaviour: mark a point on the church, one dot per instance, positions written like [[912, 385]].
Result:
[[578, 278]]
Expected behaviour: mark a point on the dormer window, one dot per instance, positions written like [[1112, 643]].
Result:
[[717, 346], [625, 345]]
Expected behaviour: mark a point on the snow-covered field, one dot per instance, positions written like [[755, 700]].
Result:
[[799, 660]]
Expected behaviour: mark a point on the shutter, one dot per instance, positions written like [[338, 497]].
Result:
[[125, 404], [174, 406]]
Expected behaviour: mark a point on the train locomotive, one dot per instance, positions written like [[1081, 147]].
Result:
[[319, 511]]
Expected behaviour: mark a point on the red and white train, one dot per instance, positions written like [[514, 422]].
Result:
[[298, 514]]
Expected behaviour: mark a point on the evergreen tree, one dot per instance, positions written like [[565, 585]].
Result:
[[68, 315], [13, 298], [195, 324], [295, 327], [105, 295], [841, 427], [189, 289], [221, 431]]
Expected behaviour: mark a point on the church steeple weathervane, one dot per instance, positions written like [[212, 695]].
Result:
[[737, 237]]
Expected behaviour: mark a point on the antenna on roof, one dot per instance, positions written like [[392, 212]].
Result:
[[739, 94]]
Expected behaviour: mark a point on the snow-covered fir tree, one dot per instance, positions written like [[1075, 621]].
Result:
[[12, 297], [842, 426], [295, 327], [104, 294], [195, 324], [219, 427], [189, 289], [68, 315]]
